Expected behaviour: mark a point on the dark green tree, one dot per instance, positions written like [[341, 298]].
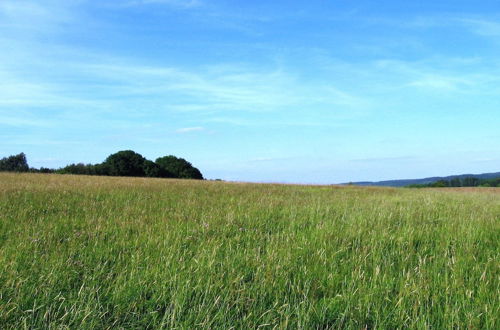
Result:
[[124, 163], [455, 182], [179, 167], [153, 170], [80, 168], [470, 182], [440, 184], [15, 163], [45, 170]]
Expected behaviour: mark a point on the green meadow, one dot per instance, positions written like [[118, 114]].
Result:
[[108, 252]]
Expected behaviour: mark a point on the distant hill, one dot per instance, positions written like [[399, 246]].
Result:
[[406, 182]]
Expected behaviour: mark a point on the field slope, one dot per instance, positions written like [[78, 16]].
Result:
[[101, 252]]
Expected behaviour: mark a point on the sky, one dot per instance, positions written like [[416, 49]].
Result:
[[261, 91]]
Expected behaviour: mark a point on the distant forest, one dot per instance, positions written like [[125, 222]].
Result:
[[460, 182], [122, 163]]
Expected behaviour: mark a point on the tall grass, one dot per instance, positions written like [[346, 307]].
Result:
[[100, 252]]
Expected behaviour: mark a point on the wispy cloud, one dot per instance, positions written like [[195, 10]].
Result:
[[385, 159], [102, 82], [439, 73], [482, 27], [173, 3], [441, 82], [271, 159], [486, 160], [189, 130], [16, 121], [36, 17]]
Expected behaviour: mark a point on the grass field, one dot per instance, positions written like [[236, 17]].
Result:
[[102, 252]]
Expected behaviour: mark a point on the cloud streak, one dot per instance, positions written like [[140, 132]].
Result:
[[184, 4], [482, 27], [189, 130]]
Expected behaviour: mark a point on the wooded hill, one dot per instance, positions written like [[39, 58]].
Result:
[[462, 180]]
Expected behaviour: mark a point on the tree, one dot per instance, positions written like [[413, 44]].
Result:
[[179, 167], [470, 182], [440, 184], [45, 170], [16, 163], [80, 168], [153, 170], [125, 163], [455, 182]]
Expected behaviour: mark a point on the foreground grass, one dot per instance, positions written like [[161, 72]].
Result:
[[99, 252]]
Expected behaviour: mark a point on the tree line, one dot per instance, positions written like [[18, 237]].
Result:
[[460, 182], [122, 163]]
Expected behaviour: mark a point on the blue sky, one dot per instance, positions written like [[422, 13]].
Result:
[[266, 91]]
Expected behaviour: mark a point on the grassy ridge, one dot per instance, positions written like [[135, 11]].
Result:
[[90, 252]]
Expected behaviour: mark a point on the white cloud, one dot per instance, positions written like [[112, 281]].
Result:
[[32, 77], [17, 121], [384, 159], [173, 3], [476, 24], [471, 75], [481, 26], [189, 130], [271, 159], [35, 18], [440, 82]]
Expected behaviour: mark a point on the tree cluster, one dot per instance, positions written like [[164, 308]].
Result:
[[122, 163], [460, 182], [15, 163]]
